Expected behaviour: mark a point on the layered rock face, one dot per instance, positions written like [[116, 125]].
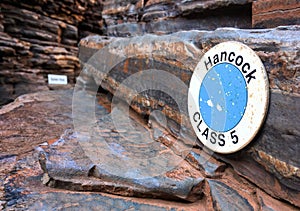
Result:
[[156, 163], [272, 13], [272, 160], [38, 38], [112, 158], [136, 17]]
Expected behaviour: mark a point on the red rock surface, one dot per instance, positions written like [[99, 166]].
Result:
[[129, 18], [22, 177], [272, 13], [273, 154], [38, 38]]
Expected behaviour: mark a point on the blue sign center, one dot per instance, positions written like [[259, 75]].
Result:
[[223, 97]]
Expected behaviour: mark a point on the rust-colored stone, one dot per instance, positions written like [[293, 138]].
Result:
[[277, 49], [23, 122], [272, 13], [129, 18], [22, 178], [268, 203], [81, 163], [40, 38]]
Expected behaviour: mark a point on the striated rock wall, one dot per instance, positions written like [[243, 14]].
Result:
[[38, 38], [136, 17], [272, 13]]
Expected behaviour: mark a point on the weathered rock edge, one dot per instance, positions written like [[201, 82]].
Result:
[[275, 151], [50, 113], [201, 179]]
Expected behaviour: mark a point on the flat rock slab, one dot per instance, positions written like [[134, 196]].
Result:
[[23, 190], [33, 119], [92, 201], [22, 178], [226, 198], [123, 162]]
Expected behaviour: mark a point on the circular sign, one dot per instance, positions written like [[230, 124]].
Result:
[[228, 97]]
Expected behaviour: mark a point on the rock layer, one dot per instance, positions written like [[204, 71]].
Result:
[[127, 18], [23, 122], [178, 54], [41, 37], [70, 165], [272, 13], [38, 38], [65, 165]]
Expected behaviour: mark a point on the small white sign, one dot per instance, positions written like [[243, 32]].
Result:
[[57, 79], [228, 97]]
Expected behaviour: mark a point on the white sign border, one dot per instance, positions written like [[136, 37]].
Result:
[[257, 105]]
